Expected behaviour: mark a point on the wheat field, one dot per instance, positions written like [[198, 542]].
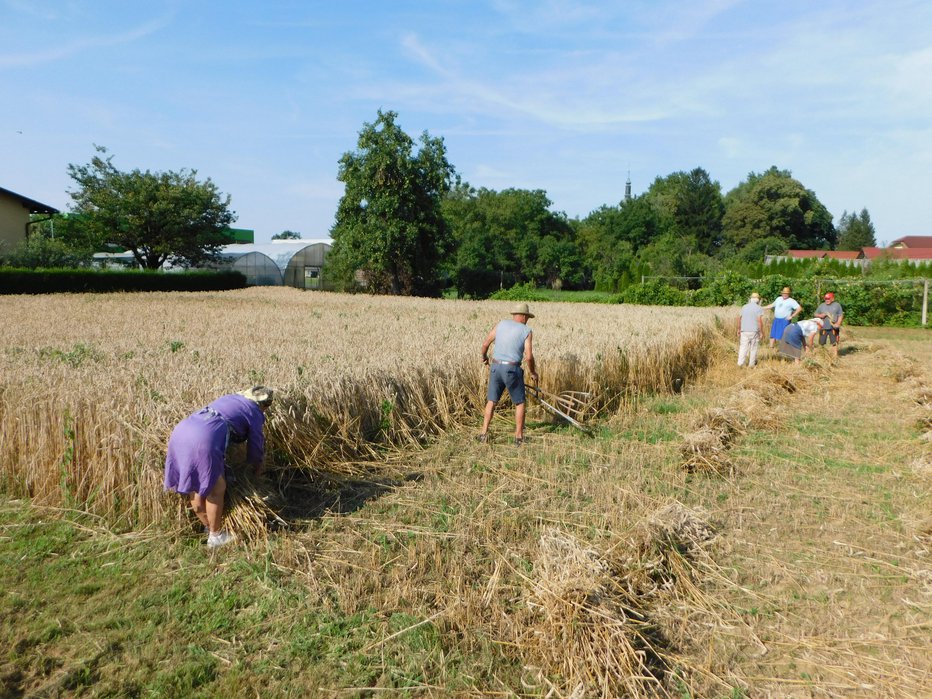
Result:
[[92, 384]]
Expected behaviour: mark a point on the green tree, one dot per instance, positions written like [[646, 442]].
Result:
[[41, 250], [389, 223], [287, 235], [610, 237], [856, 231], [690, 206], [510, 236], [774, 205], [670, 255], [159, 217], [54, 242]]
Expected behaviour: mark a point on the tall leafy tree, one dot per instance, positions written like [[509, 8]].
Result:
[[690, 207], [856, 231], [159, 217], [389, 223], [511, 235], [610, 237], [775, 205]]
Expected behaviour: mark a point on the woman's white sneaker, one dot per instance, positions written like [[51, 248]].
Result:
[[219, 539]]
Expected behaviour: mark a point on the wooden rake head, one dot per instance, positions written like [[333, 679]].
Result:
[[572, 406]]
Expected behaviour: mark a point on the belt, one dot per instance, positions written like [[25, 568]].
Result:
[[499, 361]]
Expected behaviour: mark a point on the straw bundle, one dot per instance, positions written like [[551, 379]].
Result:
[[899, 367], [706, 450], [757, 404], [587, 626], [678, 527]]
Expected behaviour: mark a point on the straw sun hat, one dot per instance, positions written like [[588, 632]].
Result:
[[259, 394], [522, 310]]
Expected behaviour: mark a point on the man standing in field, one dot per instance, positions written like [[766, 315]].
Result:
[[831, 314], [785, 308], [512, 339], [750, 325]]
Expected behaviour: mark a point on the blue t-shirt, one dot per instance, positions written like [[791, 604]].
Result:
[[783, 308], [509, 341]]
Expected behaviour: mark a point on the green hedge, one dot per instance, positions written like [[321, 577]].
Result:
[[54, 281], [896, 302]]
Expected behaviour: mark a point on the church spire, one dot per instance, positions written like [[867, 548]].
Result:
[[628, 187]]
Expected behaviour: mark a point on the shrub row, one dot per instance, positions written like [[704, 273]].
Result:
[[865, 302], [53, 281]]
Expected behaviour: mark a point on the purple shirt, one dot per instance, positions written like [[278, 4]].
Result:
[[197, 447], [246, 419]]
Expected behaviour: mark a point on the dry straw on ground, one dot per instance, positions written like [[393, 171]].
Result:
[[751, 405], [605, 620], [92, 385]]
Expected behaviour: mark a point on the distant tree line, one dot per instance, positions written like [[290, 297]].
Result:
[[407, 224]]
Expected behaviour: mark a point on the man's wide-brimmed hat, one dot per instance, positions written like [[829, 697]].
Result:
[[259, 394], [522, 310]]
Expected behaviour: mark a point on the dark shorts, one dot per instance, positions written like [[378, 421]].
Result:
[[510, 376], [831, 334], [777, 328]]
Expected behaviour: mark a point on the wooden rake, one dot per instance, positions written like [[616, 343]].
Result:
[[572, 406]]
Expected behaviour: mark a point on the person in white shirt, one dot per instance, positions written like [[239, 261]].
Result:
[[785, 309], [798, 338]]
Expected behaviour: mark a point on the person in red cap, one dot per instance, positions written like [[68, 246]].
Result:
[[831, 314]]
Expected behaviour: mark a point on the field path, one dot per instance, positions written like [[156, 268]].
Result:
[[827, 532]]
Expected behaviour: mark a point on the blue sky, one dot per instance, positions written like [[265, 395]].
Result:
[[563, 96]]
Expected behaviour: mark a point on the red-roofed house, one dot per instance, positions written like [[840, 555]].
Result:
[[903, 253], [913, 241]]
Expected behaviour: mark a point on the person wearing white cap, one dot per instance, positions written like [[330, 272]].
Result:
[[512, 339], [750, 326], [196, 459]]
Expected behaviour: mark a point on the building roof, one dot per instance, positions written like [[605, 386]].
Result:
[[898, 253], [799, 254], [913, 241], [843, 254], [35, 207], [915, 253]]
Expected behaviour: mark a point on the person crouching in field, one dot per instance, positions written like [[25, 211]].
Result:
[[512, 340], [798, 339], [750, 324], [196, 459], [785, 309]]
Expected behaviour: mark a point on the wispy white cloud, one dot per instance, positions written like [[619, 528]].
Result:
[[70, 48], [576, 98]]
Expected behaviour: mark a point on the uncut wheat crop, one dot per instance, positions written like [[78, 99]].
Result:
[[92, 384]]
